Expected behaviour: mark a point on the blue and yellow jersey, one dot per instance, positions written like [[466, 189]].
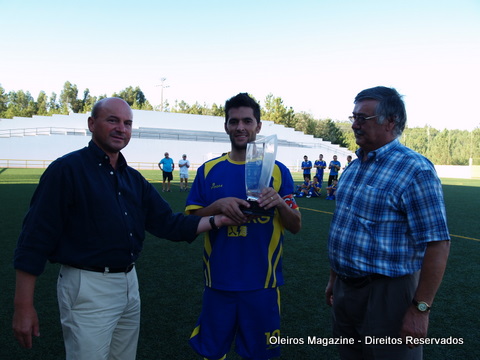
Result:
[[249, 256]]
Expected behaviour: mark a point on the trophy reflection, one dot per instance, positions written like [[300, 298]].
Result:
[[259, 163]]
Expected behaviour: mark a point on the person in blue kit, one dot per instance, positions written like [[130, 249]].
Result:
[[242, 264], [302, 190], [334, 167], [89, 213], [307, 168], [320, 165], [315, 188], [389, 242]]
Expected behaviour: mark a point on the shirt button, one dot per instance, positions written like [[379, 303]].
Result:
[[119, 193], [125, 213], [100, 164], [131, 234], [111, 172]]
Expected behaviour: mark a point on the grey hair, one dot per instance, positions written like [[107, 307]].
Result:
[[390, 106]]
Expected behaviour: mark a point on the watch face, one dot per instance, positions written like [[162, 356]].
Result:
[[422, 307]]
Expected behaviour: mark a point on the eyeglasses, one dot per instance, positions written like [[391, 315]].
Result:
[[360, 119]]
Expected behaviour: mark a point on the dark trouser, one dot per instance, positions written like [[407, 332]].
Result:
[[331, 178], [371, 314]]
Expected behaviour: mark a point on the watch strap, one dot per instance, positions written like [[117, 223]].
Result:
[[212, 223]]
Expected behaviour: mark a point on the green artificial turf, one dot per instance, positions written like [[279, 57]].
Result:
[[171, 280]]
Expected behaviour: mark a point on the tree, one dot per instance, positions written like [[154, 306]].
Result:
[[475, 146], [20, 103], [304, 122], [88, 101], [348, 136], [181, 107], [42, 104], [3, 102], [135, 98], [53, 105], [69, 101], [329, 131], [275, 111]]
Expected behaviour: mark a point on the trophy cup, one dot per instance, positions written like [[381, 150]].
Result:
[[259, 162]]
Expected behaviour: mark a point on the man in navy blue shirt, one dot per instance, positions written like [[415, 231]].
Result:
[[89, 213]]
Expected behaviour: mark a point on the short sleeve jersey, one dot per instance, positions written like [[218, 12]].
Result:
[[306, 164], [249, 256], [320, 170]]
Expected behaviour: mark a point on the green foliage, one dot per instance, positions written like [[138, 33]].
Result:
[[3, 101], [275, 111], [329, 131], [135, 98], [20, 103], [446, 147], [197, 109]]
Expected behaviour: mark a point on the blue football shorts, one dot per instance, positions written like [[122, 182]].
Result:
[[248, 317]]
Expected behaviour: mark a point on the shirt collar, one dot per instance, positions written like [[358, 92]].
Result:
[[103, 158], [380, 152]]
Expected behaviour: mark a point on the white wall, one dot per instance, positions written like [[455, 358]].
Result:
[[18, 143]]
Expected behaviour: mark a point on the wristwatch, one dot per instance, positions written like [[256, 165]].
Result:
[[421, 306], [212, 223]]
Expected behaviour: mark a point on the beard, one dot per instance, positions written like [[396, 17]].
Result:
[[240, 145]]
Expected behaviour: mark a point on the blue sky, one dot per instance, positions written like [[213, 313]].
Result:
[[315, 55]]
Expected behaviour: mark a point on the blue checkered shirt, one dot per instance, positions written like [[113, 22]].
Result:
[[388, 208]]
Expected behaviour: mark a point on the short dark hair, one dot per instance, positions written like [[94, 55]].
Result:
[[390, 105], [242, 99]]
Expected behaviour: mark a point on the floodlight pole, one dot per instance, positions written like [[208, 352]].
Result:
[[162, 86]]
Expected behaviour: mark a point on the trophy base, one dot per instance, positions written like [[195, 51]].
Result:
[[256, 210]]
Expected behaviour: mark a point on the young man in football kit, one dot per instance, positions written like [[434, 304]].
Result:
[[242, 264], [320, 165]]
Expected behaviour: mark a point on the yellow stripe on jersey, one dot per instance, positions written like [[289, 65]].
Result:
[[191, 208], [278, 229], [277, 177], [195, 331], [206, 259], [210, 164], [274, 247]]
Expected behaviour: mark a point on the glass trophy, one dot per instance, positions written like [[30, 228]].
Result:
[[259, 162]]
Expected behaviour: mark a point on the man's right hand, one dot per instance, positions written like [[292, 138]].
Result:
[[230, 207], [25, 319], [25, 324]]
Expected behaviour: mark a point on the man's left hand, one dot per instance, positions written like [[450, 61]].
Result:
[[415, 324]]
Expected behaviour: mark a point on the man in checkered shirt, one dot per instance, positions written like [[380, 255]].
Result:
[[389, 242]]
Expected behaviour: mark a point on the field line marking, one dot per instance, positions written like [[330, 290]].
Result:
[[320, 211], [464, 237], [330, 213]]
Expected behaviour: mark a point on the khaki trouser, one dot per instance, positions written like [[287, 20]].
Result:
[[99, 313]]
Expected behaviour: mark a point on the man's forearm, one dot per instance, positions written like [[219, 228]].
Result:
[[433, 268]]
